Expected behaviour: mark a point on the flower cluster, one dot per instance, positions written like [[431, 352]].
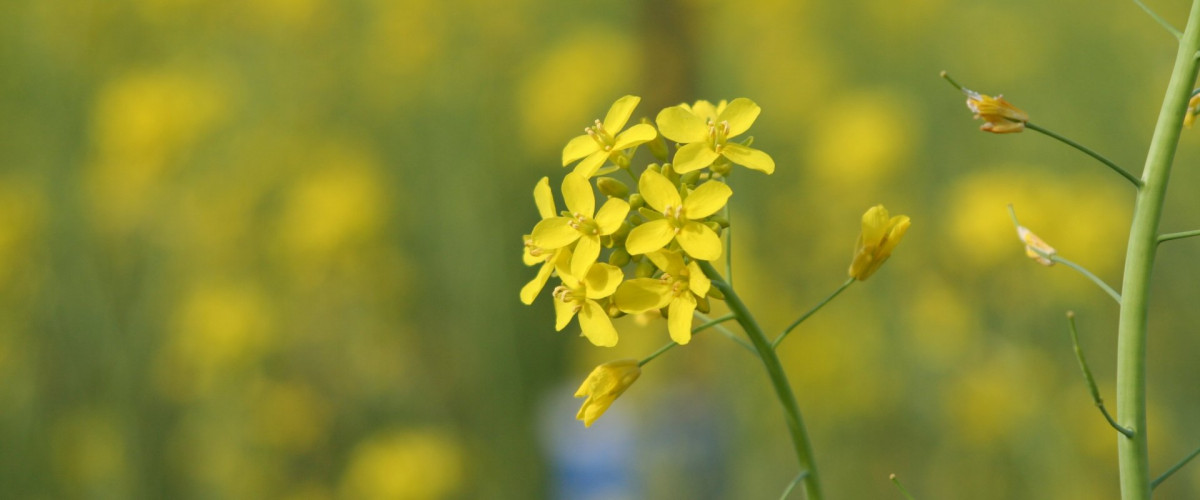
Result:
[[655, 233]]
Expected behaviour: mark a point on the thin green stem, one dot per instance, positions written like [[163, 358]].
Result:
[[1133, 453], [1087, 151], [725, 331], [896, 481], [1177, 466], [1082, 270], [810, 312], [1180, 235], [1157, 18], [1091, 381], [792, 485], [783, 389], [698, 329]]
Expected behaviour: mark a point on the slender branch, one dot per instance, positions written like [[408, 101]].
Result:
[[1180, 235], [1087, 151], [1165, 475], [728, 245], [905, 492], [725, 331], [1095, 279], [783, 389], [1134, 454], [1162, 22], [810, 312], [1091, 381], [791, 486], [711, 323]]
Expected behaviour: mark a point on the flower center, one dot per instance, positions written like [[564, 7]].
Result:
[[584, 224], [603, 138], [677, 215], [718, 133], [678, 283], [568, 295]]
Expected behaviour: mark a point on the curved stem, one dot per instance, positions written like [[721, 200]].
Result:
[[810, 312], [1091, 381], [783, 389], [698, 329], [1082, 270], [792, 485], [1087, 151], [1139, 263]]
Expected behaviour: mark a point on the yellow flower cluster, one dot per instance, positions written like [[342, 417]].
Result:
[[655, 233]]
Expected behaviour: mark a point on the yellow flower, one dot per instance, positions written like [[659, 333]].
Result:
[[1193, 109], [1035, 248], [678, 288], [603, 386], [579, 296], [605, 139], [880, 234], [705, 131], [1001, 116], [585, 224], [680, 217], [534, 254]]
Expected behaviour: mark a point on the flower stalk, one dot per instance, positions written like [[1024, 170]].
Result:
[[1139, 263], [783, 389]]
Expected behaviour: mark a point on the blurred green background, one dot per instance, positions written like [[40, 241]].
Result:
[[271, 249]]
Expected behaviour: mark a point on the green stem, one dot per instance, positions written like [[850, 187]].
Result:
[[810, 312], [783, 389], [1133, 453], [725, 331], [1095, 279], [1177, 466], [1176, 236], [1091, 381], [1162, 22], [698, 329], [792, 485], [1086, 150], [896, 481]]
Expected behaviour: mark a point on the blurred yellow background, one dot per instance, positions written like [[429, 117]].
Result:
[[271, 249]]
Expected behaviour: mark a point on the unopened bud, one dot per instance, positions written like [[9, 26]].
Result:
[[612, 188], [636, 201], [690, 178], [645, 269], [703, 306], [654, 167], [715, 293], [714, 226], [619, 257], [622, 231]]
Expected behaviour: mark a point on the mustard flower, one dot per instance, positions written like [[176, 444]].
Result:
[[1192, 110], [579, 296], [1001, 116], [880, 234], [534, 254], [604, 139], [603, 386], [584, 224], [677, 289], [1035, 248], [706, 137], [680, 217]]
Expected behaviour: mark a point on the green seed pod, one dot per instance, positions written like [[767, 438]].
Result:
[[619, 257], [612, 188]]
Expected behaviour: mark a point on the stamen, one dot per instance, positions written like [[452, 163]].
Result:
[[725, 127]]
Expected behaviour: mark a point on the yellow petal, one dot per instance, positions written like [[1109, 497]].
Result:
[[596, 325], [669, 261], [586, 253], [706, 199], [698, 241], [740, 113], [749, 157], [658, 192], [897, 226], [577, 192], [649, 236], [619, 113], [579, 147], [555, 232], [679, 318], [527, 255], [602, 280], [639, 295], [530, 291], [611, 215], [874, 225], [591, 164], [694, 156], [637, 134], [698, 283], [678, 124], [706, 110], [563, 312], [544, 199]]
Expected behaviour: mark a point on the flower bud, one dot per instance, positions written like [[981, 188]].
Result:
[[880, 234], [612, 188], [603, 386], [715, 293], [690, 178], [619, 257], [645, 269], [636, 202]]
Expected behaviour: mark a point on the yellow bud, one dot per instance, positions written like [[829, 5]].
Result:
[[880, 235], [612, 188], [654, 167], [603, 386]]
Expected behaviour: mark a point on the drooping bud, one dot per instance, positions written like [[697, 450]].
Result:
[[603, 386]]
